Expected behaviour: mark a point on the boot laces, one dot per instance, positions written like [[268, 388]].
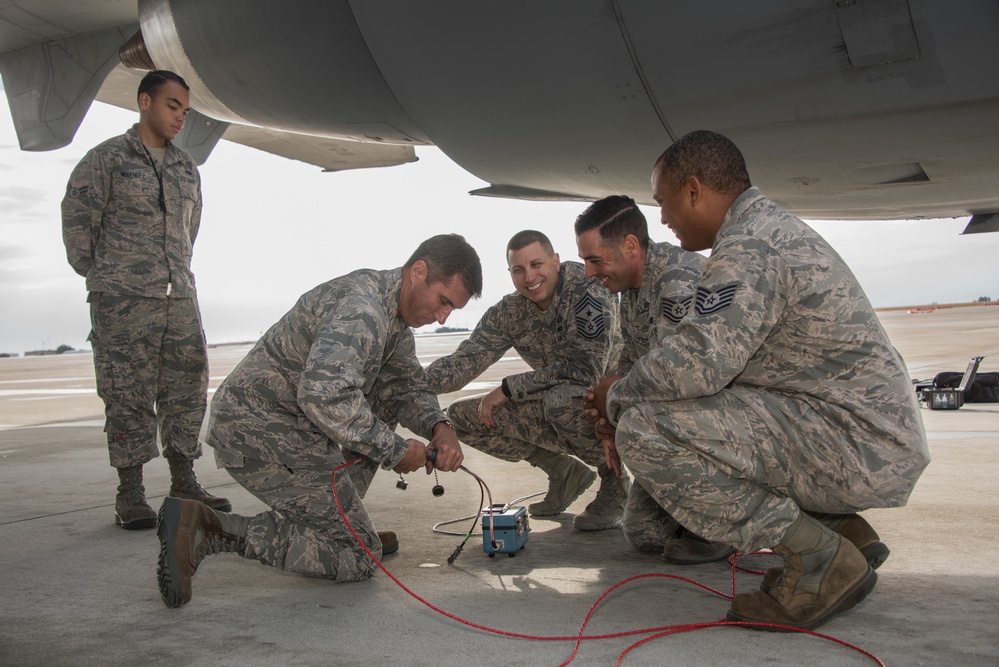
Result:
[[135, 495], [218, 543], [788, 580], [608, 496]]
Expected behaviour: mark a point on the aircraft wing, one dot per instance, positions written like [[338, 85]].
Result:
[[853, 109], [57, 56]]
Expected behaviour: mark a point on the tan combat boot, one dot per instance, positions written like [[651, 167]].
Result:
[[607, 509], [189, 531], [823, 576], [567, 480], [184, 484], [854, 528], [131, 511]]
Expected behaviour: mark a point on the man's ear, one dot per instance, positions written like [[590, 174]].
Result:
[[630, 246], [694, 190], [419, 271], [145, 99]]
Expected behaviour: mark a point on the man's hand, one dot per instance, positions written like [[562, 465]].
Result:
[[605, 431], [445, 443], [595, 402], [416, 457], [611, 457], [489, 404]]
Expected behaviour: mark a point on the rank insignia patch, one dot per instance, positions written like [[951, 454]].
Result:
[[589, 318], [674, 310], [708, 302]]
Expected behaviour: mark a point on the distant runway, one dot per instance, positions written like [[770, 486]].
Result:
[[60, 388]]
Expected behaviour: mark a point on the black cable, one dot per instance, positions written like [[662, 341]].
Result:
[[482, 498]]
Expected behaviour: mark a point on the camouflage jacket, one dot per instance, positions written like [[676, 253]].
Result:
[[669, 280], [573, 341], [778, 310], [335, 368], [115, 232]]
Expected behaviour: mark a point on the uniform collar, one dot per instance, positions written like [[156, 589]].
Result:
[[171, 155], [653, 254], [738, 209], [392, 286]]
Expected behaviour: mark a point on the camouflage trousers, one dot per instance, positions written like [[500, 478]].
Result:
[[714, 465], [304, 531], [646, 526], [151, 367], [555, 423]]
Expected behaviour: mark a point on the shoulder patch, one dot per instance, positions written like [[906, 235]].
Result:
[[589, 317], [673, 310], [709, 302]]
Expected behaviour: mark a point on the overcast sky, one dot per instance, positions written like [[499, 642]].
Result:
[[273, 228]]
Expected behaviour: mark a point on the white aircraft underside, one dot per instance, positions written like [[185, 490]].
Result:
[[845, 109]]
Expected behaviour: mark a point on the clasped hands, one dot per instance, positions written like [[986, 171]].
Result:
[[595, 405]]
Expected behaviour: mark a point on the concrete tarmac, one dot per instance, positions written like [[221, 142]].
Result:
[[77, 590]]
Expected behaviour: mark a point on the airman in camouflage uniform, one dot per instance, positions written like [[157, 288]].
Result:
[[657, 283], [565, 327], [130, 216], [778, 408], [315, 392]]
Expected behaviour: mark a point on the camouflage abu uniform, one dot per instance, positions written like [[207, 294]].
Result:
[[316, 391], [149, 346], [778, 391], [648, 314], [569, 346]]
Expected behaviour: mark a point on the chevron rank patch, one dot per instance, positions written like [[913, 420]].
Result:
[[589, 318], [673, 310], [708, 302]]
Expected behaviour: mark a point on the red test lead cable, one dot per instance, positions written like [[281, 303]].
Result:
[[655, 633]]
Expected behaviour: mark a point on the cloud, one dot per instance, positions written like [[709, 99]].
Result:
[[24, 204], [13, 252]]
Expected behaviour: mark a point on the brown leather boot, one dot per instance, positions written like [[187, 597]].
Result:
[[131, 511], [817, 583], [189, 531], [390, 543], [863, 536], [184, 484], [691, 549], [854, 528]]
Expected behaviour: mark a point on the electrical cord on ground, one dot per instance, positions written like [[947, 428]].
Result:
[[510, 504], [654, 633]]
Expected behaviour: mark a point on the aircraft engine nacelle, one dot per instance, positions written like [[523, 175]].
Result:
[[258, 62]]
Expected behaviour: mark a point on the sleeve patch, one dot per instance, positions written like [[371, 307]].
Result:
[[709, 302], [589, 317], [674, 310]]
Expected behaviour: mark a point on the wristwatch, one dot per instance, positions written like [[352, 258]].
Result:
[[446, 422]]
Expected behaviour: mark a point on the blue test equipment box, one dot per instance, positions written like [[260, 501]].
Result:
[[510, 529]]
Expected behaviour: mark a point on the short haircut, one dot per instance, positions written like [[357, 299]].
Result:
[[710, 157], [616, 217], [527, 237], [448, 255], [152, 81]]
